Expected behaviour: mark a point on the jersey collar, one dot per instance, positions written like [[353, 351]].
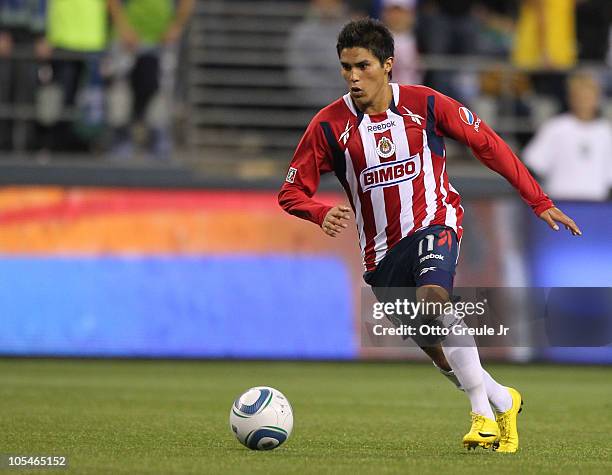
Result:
[[356, 112]]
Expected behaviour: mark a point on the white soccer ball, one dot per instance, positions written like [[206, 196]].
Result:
[[261, 418]]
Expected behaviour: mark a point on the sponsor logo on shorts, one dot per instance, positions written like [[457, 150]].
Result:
[[291, 175], [392, 173], [440, 257], [381, 126], [445, 238]]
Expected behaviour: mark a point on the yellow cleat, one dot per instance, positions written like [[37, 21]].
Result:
[[484, 433], [509, 441]]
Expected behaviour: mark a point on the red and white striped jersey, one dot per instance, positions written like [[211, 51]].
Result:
[[393, 166]]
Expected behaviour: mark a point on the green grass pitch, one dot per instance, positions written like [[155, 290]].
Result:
[[172, 417]]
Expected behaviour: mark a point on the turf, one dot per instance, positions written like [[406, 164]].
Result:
[[172, 417]]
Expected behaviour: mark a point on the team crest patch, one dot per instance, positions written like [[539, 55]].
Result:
[[466, 115], [385, 148], [291, 175]]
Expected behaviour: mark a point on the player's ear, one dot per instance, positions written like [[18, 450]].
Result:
[[388, 64]]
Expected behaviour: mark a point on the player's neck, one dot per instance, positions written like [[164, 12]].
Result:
[[380, 103]]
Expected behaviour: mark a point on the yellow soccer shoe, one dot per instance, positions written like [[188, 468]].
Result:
[[509, 441], [484, 433]]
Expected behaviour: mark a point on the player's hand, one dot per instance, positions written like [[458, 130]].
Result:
[[333, 224], [553, 215]]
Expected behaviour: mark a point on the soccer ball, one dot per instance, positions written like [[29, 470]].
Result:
[[261, 418]]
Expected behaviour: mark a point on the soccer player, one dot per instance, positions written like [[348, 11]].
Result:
[[385, 143]]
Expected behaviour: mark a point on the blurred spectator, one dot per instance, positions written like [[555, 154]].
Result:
[[362, 8], [148, 32], [312, 60], [449, 27], [399, 16], [546, 35], [22, 30], [77, 32], [593, 18], [545, 43], [496, 27], [572, 151]]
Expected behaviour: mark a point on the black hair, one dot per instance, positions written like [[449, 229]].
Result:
[[367, 33]]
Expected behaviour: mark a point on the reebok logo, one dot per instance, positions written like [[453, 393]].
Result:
[[381, 126], [345, 135], [414, 117], [440, 257], [426, 269]]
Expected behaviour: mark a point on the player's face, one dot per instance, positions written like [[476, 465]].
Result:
[[366, 78]]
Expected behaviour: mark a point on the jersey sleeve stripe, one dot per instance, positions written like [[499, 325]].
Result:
[[353, 194], [436, 142], [338, 157], [429, 183]]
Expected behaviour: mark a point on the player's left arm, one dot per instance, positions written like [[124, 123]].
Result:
[[457, 122]]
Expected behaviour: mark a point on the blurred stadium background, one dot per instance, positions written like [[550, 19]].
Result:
[[169, 243]]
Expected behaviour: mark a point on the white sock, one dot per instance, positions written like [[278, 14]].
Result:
[[462, 356], [498, 395]]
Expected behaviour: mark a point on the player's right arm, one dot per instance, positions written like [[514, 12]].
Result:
[[312, 158]]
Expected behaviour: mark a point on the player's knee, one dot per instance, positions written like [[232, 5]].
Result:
[[432, 293], [433, 315], [434, 298]]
